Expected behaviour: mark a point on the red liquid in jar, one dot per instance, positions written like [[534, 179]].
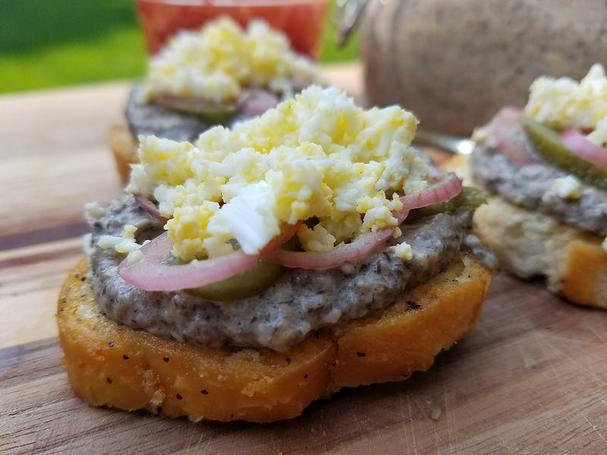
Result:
[[301, 20]]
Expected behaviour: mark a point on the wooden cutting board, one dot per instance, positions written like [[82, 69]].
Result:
[[530, 378]]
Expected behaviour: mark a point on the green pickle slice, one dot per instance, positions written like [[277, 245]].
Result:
[[219, 113], [206, 109], [468, 200], [251, 282], [548, 144], [258, 278]]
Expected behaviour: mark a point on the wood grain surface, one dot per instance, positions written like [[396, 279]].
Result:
[[531, 378]]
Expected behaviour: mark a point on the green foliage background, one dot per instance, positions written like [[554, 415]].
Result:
[[48, 43]]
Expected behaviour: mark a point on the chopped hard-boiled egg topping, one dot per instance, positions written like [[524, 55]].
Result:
[[125, 244], [316, 158], [567, 187], [565, 103], [93, 211], [221, 58], [599, 135], [404, 251]]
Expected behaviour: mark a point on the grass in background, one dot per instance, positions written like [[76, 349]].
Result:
[[329, 51], [48, 43]]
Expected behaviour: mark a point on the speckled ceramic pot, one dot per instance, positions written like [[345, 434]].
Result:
[[456, 62]]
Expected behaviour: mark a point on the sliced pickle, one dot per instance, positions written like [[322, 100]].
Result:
[[217, 113], [253, 281], [207, 109], [548, 144], [258, 278], [468, 200]]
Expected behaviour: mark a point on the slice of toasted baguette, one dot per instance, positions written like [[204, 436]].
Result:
[[532, 244], [113, 365], [124, 149]]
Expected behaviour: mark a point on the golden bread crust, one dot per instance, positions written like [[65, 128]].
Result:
[[113, 365], [584, 277], [532, 243], [124, 150]]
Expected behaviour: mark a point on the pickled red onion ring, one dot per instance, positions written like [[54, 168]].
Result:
[[442, 191], [350, 252], [353, 252], [281, 239], [257, 101], [252, 103], [150, 208], [579, 144], [151, 274], [510, 137]]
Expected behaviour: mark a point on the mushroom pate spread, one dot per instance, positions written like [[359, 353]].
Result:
[[299, 302], [157, 120]]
